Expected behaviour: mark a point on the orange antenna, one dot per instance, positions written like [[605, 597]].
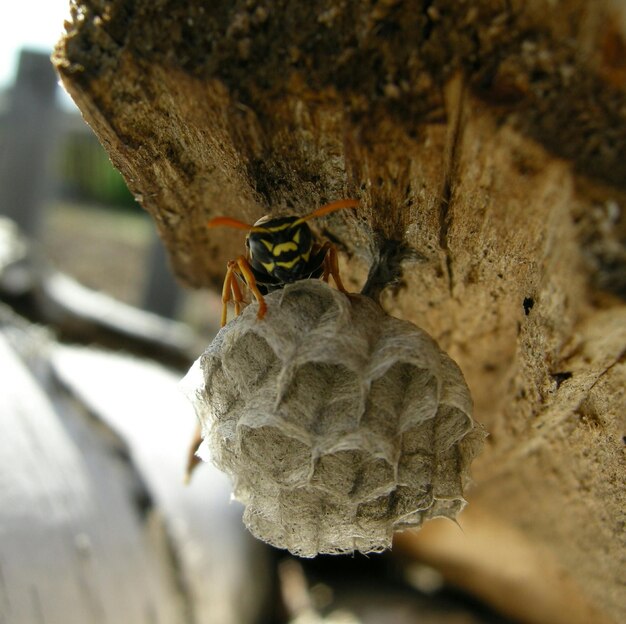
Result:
[[328, 208], [233, 223]]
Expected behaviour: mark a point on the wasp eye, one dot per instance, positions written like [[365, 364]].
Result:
[[247, 242]]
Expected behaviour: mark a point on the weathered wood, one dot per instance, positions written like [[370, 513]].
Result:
[[217, 559], [97, 524], [485, 138], [75, 547]]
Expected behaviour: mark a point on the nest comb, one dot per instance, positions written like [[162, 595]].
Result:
[[337, 423]]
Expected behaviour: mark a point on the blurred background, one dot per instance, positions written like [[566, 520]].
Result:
[[58, 184], [95, 334]]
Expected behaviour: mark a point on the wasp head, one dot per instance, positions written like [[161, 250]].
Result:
[[280, 247]]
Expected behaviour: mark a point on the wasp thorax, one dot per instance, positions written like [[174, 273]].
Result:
[[337, 423]]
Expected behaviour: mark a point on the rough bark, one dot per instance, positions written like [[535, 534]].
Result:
[[486, 143]]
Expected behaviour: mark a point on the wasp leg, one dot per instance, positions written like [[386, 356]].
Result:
[[192, 459], [331, 266], [237, 296], [246, 271], [231, 291], [227, 290], [325, 263]]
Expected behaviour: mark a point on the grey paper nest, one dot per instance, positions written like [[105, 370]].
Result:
[[337, 423]]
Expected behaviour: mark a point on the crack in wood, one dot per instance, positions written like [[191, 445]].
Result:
[[456, 97]]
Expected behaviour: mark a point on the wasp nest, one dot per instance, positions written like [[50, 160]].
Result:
[[337, 423]]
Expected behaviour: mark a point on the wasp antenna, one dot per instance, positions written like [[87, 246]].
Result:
[[328, 208], [228, 222]]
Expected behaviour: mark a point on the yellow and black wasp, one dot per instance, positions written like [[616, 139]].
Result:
[[279, 251]]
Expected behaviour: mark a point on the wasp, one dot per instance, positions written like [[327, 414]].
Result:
[[279, 251]]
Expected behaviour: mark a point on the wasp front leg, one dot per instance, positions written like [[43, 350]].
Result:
[[246, 272], [331, 266], [231, 291]]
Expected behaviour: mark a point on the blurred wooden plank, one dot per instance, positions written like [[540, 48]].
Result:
[[74, 546], [225, 570]]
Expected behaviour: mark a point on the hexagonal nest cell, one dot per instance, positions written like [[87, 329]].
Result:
[[337, 423]]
